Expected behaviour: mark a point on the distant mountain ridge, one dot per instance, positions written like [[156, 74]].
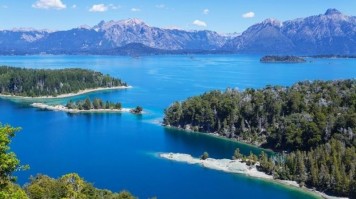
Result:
[[329, 33], [106, 36]]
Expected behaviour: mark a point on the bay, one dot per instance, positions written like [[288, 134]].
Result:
[[119, 151]]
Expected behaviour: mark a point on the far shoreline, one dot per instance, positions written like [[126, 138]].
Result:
[[80, 92]]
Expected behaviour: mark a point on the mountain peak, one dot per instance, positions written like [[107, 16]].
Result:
[[333, 11], [272, 22], [125, 22], [132, 21]]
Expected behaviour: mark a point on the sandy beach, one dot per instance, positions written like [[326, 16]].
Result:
[[235, 166], [68, 94], [65, 109]]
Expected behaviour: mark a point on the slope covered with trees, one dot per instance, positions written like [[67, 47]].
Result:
[[41, 186], [302, 116], [313, 123], [329, 168], [44, 82]]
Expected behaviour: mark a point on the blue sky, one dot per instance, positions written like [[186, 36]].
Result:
[[224, 16]]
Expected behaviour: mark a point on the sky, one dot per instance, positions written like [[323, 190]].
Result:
[[223, 16]]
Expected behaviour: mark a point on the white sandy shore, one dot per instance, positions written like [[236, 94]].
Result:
[[65, 109], [234, 166], [226, 165], [68, 94]]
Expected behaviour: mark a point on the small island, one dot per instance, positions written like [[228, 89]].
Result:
[[282, 59], [137, 110], [90, 106], [59, 83]]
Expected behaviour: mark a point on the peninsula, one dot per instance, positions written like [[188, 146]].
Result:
[[313, 124], [45, 83], [89, 106]]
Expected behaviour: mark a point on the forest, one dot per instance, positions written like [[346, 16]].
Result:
[[97, 103], [311, 124], [42, 186], [47, 82], [329, 168]]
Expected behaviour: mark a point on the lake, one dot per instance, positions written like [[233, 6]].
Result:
[[119, 151]]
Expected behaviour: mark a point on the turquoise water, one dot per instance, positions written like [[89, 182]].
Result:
[[118, 151]]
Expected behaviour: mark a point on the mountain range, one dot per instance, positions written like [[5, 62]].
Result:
[[328, 33]]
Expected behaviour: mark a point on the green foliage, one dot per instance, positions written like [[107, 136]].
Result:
[[330, 168], [69, 186], [204, 156], [237, 155], [299, 117], [12, 191], [97, 103], [41, 82], [9, 162], [137, 110]]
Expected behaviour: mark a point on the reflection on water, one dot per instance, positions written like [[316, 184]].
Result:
[[217, 147]]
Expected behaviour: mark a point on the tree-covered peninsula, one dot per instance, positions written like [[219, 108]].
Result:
[[42, 186], [90, 106], [46, 82], [312, 123]]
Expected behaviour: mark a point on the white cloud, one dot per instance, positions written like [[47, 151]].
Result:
[[160, 6], [200, 23], [74, 6], [248, 15], [206, 11], [49, 4], [135, 9], [99, 8]]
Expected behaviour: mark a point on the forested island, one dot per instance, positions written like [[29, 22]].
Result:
[[46, 82], [282, 59], [42, 186], [312, 124]]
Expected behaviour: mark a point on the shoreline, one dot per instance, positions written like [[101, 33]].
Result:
[[216, 135], [65, 109], [238, 167], [81, 92]]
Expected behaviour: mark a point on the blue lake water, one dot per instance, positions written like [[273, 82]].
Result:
[[118, 151]]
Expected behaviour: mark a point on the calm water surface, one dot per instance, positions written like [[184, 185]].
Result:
[[118, 151]]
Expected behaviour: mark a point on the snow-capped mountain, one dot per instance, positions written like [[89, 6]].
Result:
[[329, 33], [108, 35]]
